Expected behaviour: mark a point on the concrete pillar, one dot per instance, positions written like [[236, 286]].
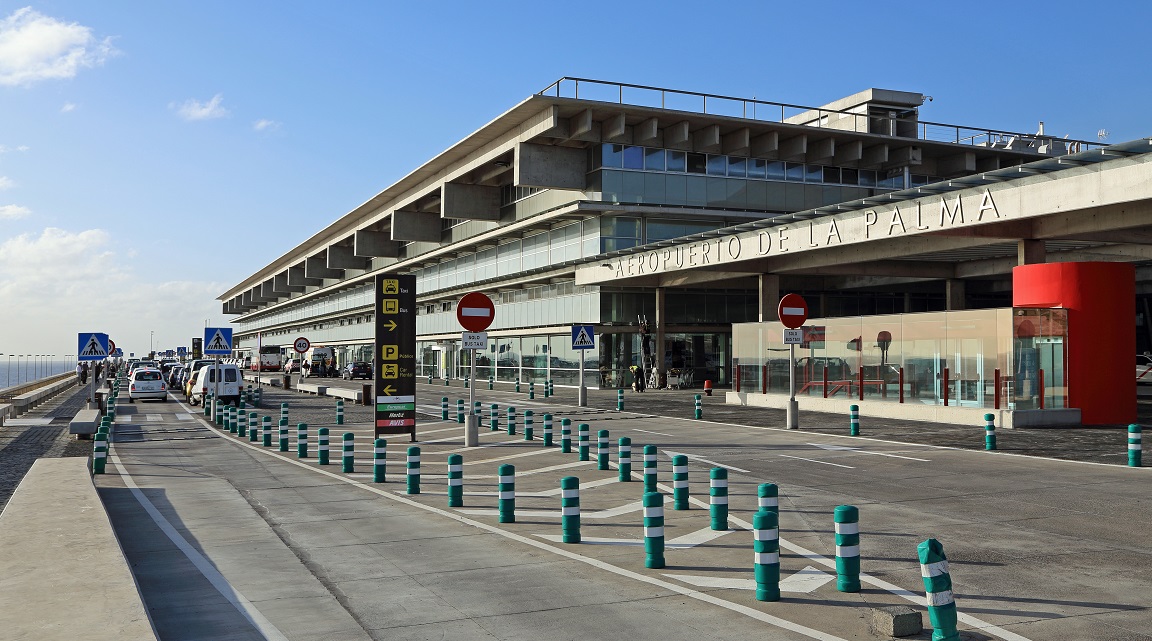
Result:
[[661, 319], [954, 294], [907, 303], [768, 286], [1030, 252]]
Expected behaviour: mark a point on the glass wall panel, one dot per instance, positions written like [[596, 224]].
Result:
[[776, 170], [633, 157], [508, 258], [612, 155], [676, 161], [697, 163], [757, 168], [794, 171], [717, 165], [654, 159], [737, 167]]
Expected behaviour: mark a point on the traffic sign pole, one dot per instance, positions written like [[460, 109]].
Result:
[[475, 312], [792, 311]]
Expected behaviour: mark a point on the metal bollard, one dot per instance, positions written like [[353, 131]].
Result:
[[467, 382], [699, 407], [478, 410], [565, 435], [242, 424], [650, 469], [1135, 446], [619, 400], [348, 458], [266, 430], [489, 383], [322, 445], [582, 435], [570, 509], [653, 530], [413, 470], [429, 379], [494, 417], [301, 440], [854, 420], [527, 425], [284, 411], [938, 590], [233, 421], [443, 408], [766, 547], [340, 411], [602, 450], [99, 453], [768, 497], [517, 386], [847, 519], [680, 482], [283, 435], [460, 411], [445, 380], [380, 460], [531, 389], [547, 389], [718, 498], [547, 430], [507, 500], [511, 421], [551, 387], [989, 431], [455, 480], [253, 434], [624, 458]]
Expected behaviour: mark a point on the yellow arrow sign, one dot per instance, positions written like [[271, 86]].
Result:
[[391, 325], [388, 390]]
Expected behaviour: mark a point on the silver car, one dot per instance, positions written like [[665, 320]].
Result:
[[147, 383]]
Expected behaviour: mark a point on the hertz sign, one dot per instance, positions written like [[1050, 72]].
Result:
[[395, 354]]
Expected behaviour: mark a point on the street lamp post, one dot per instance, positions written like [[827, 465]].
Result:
[[9, 383]]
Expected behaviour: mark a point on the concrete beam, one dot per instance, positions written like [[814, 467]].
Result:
[[990, 163], [370, 244], [794, 148], [342, 257], [848, 153], [268, 290], [961, 163], [1030, 252], [768, 290], [874, 156], [766, 145], [820, 150], [909, 155], [648, 133], [738, 143], [678, 136], [284, 287], [954, 298], [706, 140], [317, 267], [470, 202], [415, 226], [583, 127], [297, 277], [614, 128], [548, 124], [258, 297], [549, 167]]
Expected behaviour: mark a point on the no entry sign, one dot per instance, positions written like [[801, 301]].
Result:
[[475, 312], [793, 310]]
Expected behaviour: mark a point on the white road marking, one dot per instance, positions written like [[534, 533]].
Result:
[[841, 448], [693, 457], [509, 457], [805, 581], [812, 460], [583, 486], [660, 433], [685, 542], [185, 417]]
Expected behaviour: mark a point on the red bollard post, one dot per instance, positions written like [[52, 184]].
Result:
[[861, 382], [901, 384], [945, 387], [825, 386], [996, 395], [764, 380], [1041, 382]]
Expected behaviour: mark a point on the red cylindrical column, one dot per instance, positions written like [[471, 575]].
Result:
[[861, 382], [764, 380], [996, 392], [901, 384], [1040, 384], [825, 381], [945, 387]]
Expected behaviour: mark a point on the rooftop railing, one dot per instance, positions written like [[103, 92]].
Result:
[[896, 123]]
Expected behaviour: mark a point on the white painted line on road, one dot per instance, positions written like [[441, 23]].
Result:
[[154, 417], [693, 457], [509, 457], [682, 543], [583, 486], [805, 581], [446, 429], [812, 460], [699, 537], [555, 514], [184, 417], [473, 449], [553, 468], [841, 448], [660, 433]]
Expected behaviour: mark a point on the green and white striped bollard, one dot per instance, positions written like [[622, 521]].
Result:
[[219, 418], [531, 389], [989, 431], [511, 421], [517, 386], [620, 400], [380, 460], [460, 411], [566, 435], [240, 405], [259, 396], [266, 430], [507, 498], [494, 417], [301, 440], [339, 411], [242, 424], [547, 389], [699, 414], [602, 450], [445, 380], [768, 497], [854, 420], [718, 498], [253, 433], [478, 410], [455, 480], [322, 452], [650, 468], [99, 453], [528, 425], [413, 470], [653, 530], [283, 435], [551, 387], [582, 433], [284, 411], [490, 383], [847, 519], [624, 459], [680, 482], [1135, 446], [443, 408], [348, 454], [570, 509], [766, 550], [547, 430], [233, 419], [429, 379], [207, 401], [467, 382], [938, 590]]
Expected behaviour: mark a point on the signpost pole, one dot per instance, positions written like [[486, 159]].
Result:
[[582, 395], [793, 409], [472, 425]]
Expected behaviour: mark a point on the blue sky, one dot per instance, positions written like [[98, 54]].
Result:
[[154, 154]]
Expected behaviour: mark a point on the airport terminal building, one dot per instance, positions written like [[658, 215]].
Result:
[[944, 266]]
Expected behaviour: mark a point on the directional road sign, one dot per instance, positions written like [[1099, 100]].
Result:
[[301, 345], [395, 358], [583, 337], [217, 341], [475, 312], [92, 347], [793, 310]]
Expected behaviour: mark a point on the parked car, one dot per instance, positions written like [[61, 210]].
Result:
[[227, 388], [356, 369], [292, 366], [147, 383], [173, 377], [1143, 369]]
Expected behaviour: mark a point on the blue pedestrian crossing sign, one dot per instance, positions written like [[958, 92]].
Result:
[[181, 350], [217, 341], [583, 337], [92, 347]]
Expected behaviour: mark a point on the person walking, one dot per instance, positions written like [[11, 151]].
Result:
[[83, 367], [304, 368], [80, 371]]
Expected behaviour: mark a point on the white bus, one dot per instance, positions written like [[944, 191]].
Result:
[[269, 360]]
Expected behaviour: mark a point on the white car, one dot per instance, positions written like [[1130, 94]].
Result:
[[147, 383]]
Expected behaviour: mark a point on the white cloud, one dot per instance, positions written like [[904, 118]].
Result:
[[68, 106], [195, 110], [12, 212], [58, 283], [6, 183], [265, 125], [35, 47], [5, 149]]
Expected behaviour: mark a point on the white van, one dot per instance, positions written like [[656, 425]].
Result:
[[205, 383]]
